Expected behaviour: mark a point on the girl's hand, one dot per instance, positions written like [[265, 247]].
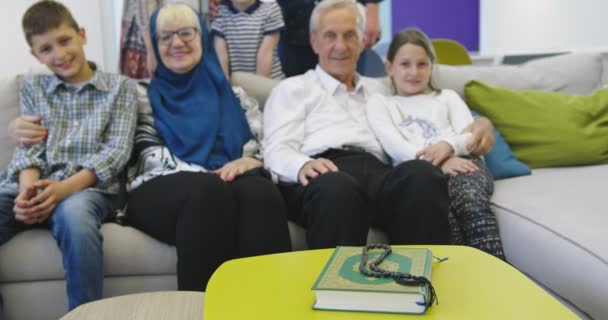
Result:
[[237, 167], [436, 153], [456, 165]]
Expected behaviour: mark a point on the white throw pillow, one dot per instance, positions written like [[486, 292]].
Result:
[[575, 73]]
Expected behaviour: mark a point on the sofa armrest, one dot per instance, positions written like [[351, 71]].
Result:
[[9, 109]]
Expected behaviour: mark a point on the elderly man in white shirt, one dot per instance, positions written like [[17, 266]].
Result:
[[334, 175]]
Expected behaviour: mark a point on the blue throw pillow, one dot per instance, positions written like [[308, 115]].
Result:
[[501, 160]]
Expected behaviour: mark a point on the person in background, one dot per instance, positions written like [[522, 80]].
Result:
[[246, 34], [423, 122], [67, 179], [297, 55]]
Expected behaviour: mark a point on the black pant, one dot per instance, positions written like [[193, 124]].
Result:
[[210, 221], [410, 202], [297, 59]]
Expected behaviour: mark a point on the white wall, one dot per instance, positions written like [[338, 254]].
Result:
[[506, 27], [15, 55], [530, 26], [112, 13]]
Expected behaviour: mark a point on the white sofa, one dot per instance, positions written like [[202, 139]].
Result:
[[550, 221], [553, 222]]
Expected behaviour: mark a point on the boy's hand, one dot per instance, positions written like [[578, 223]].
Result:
[[23, 207], [436, 153], [213, 9], [456, 165], [26, 130], [43, 204], [237, 167]]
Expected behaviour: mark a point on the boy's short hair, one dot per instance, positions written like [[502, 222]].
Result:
[[44, 16]]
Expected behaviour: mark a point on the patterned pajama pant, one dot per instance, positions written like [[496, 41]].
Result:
[[472, 220]]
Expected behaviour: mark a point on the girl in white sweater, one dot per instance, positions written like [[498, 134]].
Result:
[[421, 121]]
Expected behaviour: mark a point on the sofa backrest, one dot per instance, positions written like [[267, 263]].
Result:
[[9, 109], [576, 73]]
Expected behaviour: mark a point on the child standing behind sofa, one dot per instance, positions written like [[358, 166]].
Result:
[[246, 34], [68, 181], [423, 122]]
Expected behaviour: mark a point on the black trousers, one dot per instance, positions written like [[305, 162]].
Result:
[[210, 221], [410, 202]]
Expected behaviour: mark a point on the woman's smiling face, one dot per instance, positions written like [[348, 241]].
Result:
[[178, 54]]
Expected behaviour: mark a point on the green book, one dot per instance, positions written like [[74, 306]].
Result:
[[341, 286]]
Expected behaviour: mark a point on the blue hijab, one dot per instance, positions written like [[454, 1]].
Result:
[[197, 114]]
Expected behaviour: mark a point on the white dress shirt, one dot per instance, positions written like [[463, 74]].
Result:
[[406, 125], [308, 114]]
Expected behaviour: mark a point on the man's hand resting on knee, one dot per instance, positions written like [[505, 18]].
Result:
[[314, 168]]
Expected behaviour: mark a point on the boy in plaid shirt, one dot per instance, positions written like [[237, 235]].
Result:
[[68, 181]]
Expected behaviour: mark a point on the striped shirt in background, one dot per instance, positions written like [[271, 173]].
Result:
[[244, 31], [90, 126]]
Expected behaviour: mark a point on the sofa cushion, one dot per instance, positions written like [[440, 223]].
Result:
[[553, 227], [9, 109], [501, 161], [578, 73], [129, 251], [254, 85], [298, 236], [546, 129], [33, 255]]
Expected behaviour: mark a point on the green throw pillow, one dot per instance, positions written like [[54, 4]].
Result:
[[546, 129]]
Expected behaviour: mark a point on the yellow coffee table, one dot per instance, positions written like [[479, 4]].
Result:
[[470, 285]]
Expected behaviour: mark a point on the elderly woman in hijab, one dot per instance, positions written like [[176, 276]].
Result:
[[197, 181]]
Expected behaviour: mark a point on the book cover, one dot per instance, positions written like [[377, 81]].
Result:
[[341, 286]]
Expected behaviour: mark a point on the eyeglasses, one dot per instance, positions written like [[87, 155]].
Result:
[[185, 34]]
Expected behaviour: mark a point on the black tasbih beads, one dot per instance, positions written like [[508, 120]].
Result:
[[402, 278]]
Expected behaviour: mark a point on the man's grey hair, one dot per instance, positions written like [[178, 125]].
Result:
[[328, 5]]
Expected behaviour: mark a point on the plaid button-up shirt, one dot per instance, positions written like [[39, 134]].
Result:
[[90, 126]]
